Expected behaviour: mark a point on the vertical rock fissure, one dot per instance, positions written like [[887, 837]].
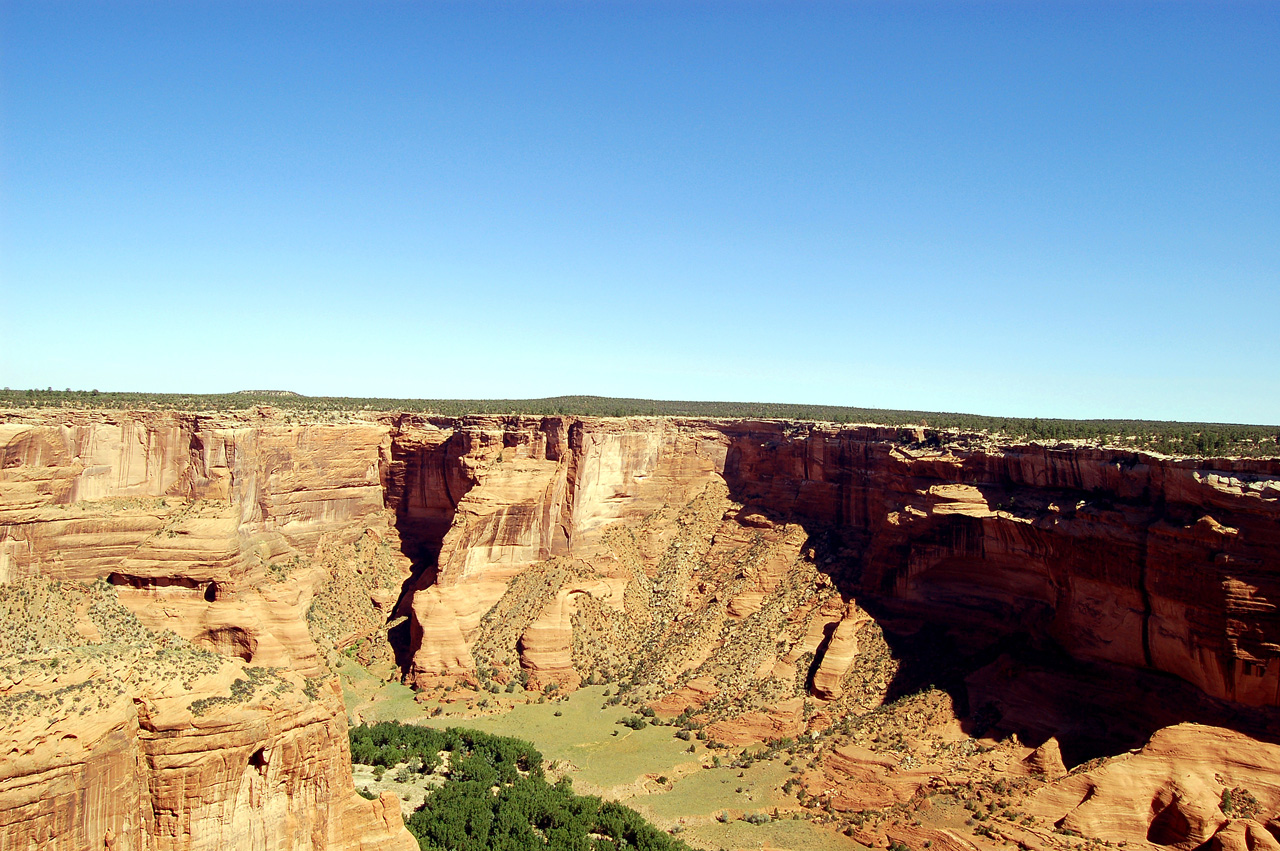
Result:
[[444, 477], [1145, 594]]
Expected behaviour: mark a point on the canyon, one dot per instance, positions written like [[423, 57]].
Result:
[[1091, 632]]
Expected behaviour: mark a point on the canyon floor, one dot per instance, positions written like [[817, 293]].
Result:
[[915, 773]]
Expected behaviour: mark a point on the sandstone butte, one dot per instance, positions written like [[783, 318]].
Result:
[[172, 584]]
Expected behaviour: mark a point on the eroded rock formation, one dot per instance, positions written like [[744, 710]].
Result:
[[201, 716], [1120, 557]]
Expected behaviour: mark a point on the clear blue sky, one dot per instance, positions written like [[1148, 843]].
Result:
[[1024, 209]]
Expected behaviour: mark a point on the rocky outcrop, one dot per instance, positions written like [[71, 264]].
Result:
[[1119, 556], [838, 654], [114, 737], [1116, 556], [1188, 785], [273, 773], [526, 490], [185, 515], [201, 730]]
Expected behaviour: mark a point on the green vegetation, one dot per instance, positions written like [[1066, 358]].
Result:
[[1200, 439], [584, 736], [42, 631], [242, 690], [371, 698], [708, 792], [1239, 803], [779, 833], [497, 797]]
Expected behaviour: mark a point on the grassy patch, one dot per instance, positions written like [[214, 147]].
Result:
[[370, 699], [714, 790], [584, 735], [781, 834]]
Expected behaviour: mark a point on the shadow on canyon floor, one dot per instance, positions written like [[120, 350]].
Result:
[[1028, 686]]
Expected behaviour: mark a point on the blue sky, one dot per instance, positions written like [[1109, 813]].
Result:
[[1053, 209]]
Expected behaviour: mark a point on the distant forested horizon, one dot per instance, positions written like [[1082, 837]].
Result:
[[1166, 436]]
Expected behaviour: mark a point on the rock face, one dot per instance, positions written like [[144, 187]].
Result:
[[1190, 784], [184, 514], [1119, 557], [111, 738], [202, 731], [522, 491]]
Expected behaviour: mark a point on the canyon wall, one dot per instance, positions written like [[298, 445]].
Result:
[[773, 579], [1122, 557], [767, 577], [215, 725], [1169, 564]]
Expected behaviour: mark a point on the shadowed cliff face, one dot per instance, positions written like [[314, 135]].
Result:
[[1118, 557]]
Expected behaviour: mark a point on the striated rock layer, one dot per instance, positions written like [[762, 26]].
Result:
[[1120, 557], [1141, 560], [1123, 557], [115, 738], [184, 514], [202, 716]]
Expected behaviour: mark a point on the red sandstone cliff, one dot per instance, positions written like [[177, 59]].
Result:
[[1121, 557], [1124, 557], [146, 745]]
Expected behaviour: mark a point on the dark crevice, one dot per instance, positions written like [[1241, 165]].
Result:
[[126, 580], [828, 632], [421, 492], [1145, 594]]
